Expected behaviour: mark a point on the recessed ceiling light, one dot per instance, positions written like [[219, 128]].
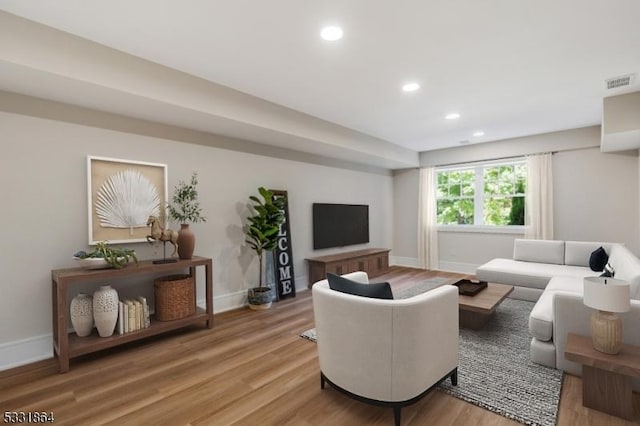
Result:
[[331, 33], [410, 87], [452, 116], [478, 133]]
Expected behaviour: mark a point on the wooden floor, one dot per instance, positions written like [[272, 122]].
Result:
[[250, 369]]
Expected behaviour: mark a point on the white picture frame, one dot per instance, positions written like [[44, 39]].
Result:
[[121, 195]]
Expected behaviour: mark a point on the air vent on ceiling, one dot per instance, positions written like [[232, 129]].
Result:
[[617, 82]]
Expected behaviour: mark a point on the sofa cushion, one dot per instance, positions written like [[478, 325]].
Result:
[[540, 251], [577, 253], [373, 290], [527, 274], [541, 317], [543, 353]]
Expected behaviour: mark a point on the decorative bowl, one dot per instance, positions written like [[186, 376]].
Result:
[[92, 262]]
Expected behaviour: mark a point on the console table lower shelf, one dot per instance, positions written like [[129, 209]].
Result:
[[606, 379], [79, 346]]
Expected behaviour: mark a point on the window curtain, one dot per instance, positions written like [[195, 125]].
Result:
[[539, 198], [427, 221]]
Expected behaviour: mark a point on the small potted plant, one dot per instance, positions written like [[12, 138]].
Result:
[[262, 237], [104, 256], [186, 209]]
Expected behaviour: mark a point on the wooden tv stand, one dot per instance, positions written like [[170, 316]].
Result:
[[373, 261]]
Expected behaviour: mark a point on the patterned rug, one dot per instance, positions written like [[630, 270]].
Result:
[[495, 371]]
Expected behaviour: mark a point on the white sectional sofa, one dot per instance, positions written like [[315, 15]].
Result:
[[552, 274], [535, 262]]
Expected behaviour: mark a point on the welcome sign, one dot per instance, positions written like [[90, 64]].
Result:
[[283, 258]]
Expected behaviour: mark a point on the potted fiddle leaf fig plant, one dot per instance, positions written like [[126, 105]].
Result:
[[262, 236], [184, 209]]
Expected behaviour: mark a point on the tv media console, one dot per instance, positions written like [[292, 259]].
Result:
[[373, 261]]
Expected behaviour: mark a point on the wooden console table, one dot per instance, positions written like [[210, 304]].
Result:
[[373, 261], [606, 379], [69, 345]]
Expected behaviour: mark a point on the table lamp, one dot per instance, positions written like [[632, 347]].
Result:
[[608, 296]]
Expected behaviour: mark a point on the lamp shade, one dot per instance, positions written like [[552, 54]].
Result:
[[607, 294]]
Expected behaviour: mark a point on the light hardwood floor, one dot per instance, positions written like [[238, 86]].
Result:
[[250, 369]]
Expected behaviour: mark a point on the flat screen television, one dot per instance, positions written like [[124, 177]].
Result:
[[337, 225]]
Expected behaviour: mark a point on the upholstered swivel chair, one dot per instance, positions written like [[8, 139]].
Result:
[[386, 352]]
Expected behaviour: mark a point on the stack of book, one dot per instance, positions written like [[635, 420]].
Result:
[[133, 315]]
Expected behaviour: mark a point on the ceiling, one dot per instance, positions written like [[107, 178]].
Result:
[[509, 68]]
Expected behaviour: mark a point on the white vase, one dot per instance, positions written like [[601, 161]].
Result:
[[81, 310], [105, 310]]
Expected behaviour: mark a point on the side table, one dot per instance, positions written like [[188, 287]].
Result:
[[606, 379]]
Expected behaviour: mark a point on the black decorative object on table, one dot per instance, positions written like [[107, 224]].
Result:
[[470, 287]]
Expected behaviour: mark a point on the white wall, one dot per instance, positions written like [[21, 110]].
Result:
[[596, 196], [405, 214], [44, 213]]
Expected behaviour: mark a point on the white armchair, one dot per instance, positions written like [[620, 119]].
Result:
[[386, 352]]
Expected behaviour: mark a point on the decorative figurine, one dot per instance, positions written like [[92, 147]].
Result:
[[158, 233]]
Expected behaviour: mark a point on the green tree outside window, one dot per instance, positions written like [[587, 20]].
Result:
[[500, 194]]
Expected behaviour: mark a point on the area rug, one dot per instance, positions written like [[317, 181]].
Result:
[[495, 371]]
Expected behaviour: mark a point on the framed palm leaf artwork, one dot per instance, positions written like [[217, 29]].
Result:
[[122, 194]]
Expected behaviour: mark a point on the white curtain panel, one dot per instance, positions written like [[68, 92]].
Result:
[[427, 221], [539, 198]]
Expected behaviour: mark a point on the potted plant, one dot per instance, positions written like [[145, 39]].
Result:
[[262, 237], [186, 209]]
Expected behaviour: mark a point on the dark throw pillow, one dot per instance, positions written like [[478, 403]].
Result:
[[373, 290], [598, 259]]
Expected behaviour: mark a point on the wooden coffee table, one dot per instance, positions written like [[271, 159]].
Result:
[[476, 310]]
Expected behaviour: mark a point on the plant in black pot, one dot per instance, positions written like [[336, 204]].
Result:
[[262, 237], [186, 209]]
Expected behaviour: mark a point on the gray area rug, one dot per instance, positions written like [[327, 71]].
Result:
[[495, 371]]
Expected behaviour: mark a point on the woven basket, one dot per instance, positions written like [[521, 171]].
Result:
[[174, 297]]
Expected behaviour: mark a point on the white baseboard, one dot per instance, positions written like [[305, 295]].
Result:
[[21, 352], [410, 262], [463, 268], [226, 302], [238, 299]]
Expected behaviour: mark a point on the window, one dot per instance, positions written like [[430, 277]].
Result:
[[486, 194]]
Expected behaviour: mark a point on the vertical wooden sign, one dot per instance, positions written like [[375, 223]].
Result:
[[283, 257]]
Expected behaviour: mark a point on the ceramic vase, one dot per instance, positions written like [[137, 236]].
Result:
[[81, 311], [105, 310], [186, 242]]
